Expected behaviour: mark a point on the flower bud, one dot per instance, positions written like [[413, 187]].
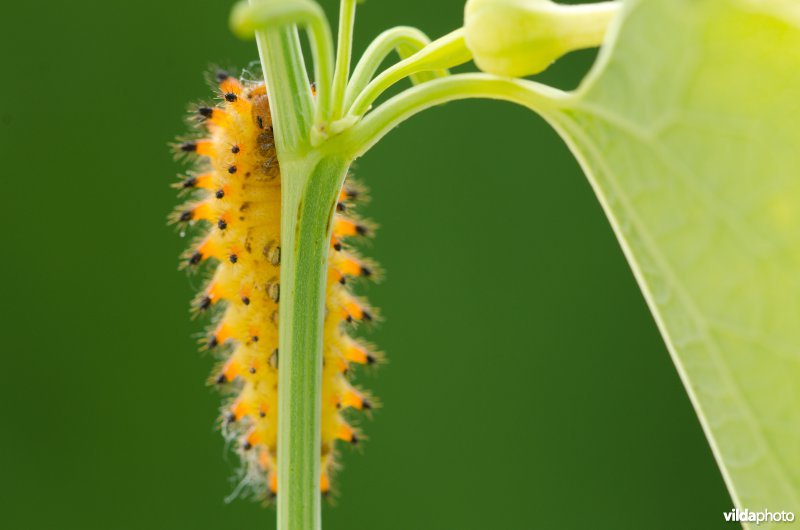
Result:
[[516, 38]]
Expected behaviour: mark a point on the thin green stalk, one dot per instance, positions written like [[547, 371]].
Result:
[[322, 44], [291, 103], [264, 15], [443, 53], [344, 50], [405, 40], [358, 139]]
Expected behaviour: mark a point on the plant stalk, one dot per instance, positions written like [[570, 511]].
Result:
[[405, 40], [310, 183], [308, 199], [344, 51]]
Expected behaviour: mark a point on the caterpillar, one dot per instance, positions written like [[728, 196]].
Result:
[[234, 203]]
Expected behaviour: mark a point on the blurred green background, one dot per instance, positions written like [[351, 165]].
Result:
[[527, 385]]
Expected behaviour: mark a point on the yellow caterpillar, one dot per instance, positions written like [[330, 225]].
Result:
[[236, 199]]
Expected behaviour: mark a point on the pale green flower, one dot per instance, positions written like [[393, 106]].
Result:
[[516, 38]]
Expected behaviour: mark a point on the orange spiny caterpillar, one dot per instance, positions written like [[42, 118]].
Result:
[[235, 201]]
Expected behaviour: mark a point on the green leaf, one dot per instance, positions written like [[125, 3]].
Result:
[[688, 128]]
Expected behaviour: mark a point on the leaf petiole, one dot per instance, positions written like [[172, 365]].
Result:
[[358, 139]]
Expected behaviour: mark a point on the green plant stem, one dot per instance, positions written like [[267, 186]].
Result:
[[406, 40], [308, 198], [443, 53], [344, 50], [292, 111], [309, 184], [358, 139], [264, 15]]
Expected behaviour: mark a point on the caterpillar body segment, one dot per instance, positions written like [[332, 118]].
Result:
[[233, 203]]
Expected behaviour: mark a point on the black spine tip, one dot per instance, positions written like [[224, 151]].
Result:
[[366, 272], [219, 194], [245, 300], [221, 224], [186, 216], [230, 97], [212, 343], [230, 418], [252, 369], [190, 182], [232, 170], [235, 149], [262, 414], [221, 379], [195, 259], [337, 246], [254, 338], [343, 280], [205, 112], [354, 440], [340, 207], [205, 303], [233, 258], [370, 359], [366, 316], [222, 75], [189, 147], [361, 230], [366, 405], [247, 446]]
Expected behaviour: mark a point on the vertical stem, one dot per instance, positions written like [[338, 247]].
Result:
[[307, 204], [344, 50], [275, 25], [287, 83], [310, 184]]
